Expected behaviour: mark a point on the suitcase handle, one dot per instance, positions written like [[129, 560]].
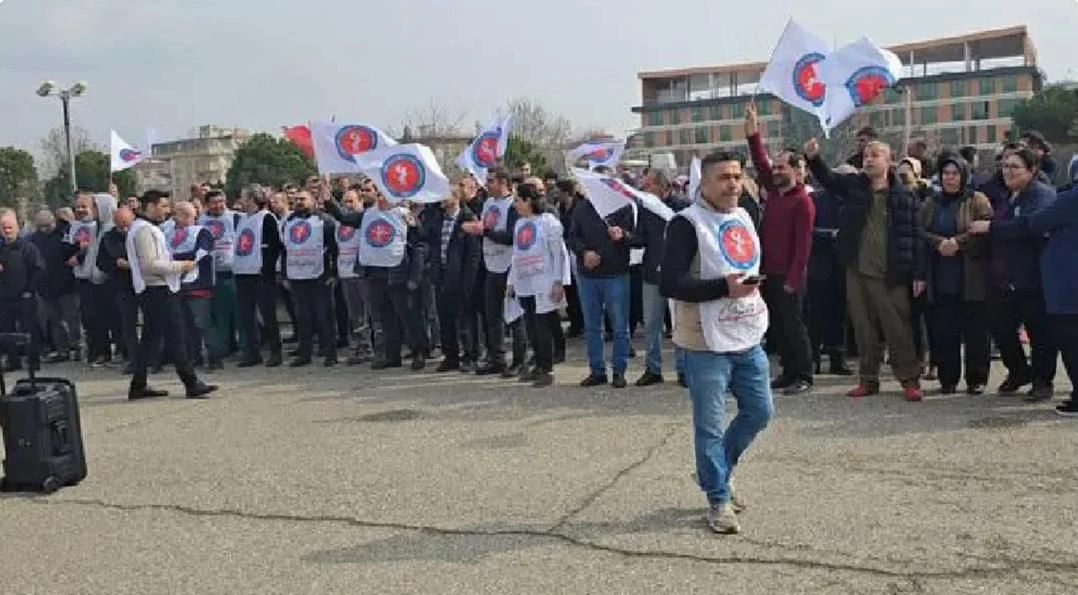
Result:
[[61, 438]]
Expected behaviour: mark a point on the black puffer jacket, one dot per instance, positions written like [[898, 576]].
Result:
[[854, 192]]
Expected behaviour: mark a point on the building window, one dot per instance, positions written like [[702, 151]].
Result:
[[698, 114], [892, 95], [949, 136], [990, 133], [986, 86], [1009, 84], [971, 135], [1006, 107], [929, 115], [674, 116], [764, 107], [714, 112], [898, 117], [702, 136], [928, 91], [979, 110], [774, 129], [958, 112], [649, 139], [877, 119], [724, 134], [655, 118], [685, 137], [959, 88]]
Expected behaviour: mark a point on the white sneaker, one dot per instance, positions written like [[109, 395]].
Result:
[[737, 503], [722, 519]]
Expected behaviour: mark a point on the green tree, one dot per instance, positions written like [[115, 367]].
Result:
[[520, 151], [18, 177], [1052, 112], [267, 160], [91, 173]]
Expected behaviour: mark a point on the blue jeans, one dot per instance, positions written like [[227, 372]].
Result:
[[611, 294], [654, 316], [710, 375]]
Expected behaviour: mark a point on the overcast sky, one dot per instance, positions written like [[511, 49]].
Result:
[[174, 64]]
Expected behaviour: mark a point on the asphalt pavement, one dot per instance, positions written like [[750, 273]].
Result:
[[353, 481]]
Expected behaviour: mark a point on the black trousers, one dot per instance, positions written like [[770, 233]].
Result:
[[557, 333], [953, 323], [289, 306], [788, 325], [340, 315], [162, 323], [827, 315], [573, 309], [94, 323], [1008, 310], [458, 344], [20, 315], [127, 306], [539, 333], [494, 299], [920, 314], [314, 315], [1065, 327], [255, 293], [636, 297], [390, 304]]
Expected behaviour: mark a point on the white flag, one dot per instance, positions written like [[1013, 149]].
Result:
[[406, 172], [484, 152], [694, 178], [855, 75], [123, 155], [336, 145], [598, 153], [608, 194], [792, 73]]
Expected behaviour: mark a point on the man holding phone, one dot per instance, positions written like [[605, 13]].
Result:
[[710, 261]]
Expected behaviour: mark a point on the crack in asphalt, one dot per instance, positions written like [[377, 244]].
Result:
[[1008, 569], [595, 495]]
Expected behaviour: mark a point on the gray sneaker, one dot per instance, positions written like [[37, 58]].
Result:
[[722, 519], [737, 503]]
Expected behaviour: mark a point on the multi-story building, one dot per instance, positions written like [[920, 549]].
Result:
[[955, 91], [177, 165]]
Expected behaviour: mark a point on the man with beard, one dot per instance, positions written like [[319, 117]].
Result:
[[310, 267], [258, 255]]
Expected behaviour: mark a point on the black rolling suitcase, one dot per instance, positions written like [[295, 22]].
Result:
[[42, 432]]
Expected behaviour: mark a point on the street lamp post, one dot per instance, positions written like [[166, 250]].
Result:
[[49, 88]]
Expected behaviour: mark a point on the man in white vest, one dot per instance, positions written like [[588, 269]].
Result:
[[387, 252], [710, 268], [189, 241], [222, 224], [257, 261], [156, 279], [354, 288], [310, 267], [495, 226]]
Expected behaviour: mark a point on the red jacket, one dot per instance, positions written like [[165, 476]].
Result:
[[786, 231]]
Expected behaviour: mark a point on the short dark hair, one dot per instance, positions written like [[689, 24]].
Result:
[[718, 157], [795, 157], [212, 194], [969, 153], [868, 132], [602, 169], [1037, 139], [1027, 157], [499, 173], [151, 197], [534, 197]]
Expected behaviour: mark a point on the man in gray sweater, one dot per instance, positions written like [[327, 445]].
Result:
[[156, 279]]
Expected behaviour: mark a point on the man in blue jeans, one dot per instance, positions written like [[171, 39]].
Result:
[[651, 235], [710, 269], [601, 246]]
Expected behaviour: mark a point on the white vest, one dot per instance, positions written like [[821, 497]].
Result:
[[182, 240], [280, 233], [78, 233], [495, 216], [132, 256], [537, 246], [168, 227], [385, 238], [248, 252], [223, 230], [305, 247], [348, 240], [727, 244]]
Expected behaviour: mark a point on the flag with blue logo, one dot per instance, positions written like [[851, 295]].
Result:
[[123, 155], [487, 148], [406, 172], [337, 145], [855, 75]]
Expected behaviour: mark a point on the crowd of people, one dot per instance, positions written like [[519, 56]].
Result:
[[929, 264]]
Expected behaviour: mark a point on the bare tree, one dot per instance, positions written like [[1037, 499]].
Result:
[[533, 123], [54, 149], [432, 120]]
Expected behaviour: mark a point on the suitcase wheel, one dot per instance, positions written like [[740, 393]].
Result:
[[50, 484]]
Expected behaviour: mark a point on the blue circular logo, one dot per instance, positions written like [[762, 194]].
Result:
[[485, 149], [380, 233], [736, 245], [300, 232], [353, 140], [245, 243], [403, 175], [525, 236], [867, 83], [805, 82]]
